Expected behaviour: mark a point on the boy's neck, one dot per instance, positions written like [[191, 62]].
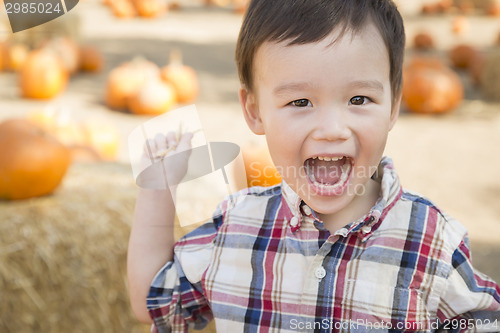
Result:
[[356, 209]]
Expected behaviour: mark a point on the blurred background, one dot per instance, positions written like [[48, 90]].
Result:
[[72, 90]]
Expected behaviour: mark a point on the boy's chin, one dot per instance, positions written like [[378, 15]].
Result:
[[327, 205]]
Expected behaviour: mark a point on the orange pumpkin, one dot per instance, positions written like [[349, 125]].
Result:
[[423, 41], [183, 78], [123, 8], [463, 55], [3, 60], [16, 55], [493, 8], [259, 167], [153, 98], [60, 124], [102, 137], [67, 50], [124, 80], [32, 162], [43, 75], [432, 88], [150, 8], [460, 25], [90, 59]]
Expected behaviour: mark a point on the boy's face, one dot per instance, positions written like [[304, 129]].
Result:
[[326, 110]]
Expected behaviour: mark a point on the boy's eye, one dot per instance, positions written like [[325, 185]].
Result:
[[301, 103], [359, 100]]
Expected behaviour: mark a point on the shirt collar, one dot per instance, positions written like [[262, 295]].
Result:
[[390, 192]]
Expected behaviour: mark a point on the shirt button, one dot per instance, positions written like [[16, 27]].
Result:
[[366, 229], [307, 210], [320, 272], [294, 221]]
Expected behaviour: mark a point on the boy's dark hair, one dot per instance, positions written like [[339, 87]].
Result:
[[308, 21]]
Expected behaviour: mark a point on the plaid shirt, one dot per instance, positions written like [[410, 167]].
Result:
[[265, 263]]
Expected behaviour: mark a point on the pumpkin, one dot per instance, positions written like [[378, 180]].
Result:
[[102, 137], [123, 8], [183, 78], [32, 162], [259, 167], [43, 75], [124, 80], [431, 88], [67, 50], [153, 98], [3, 60], [460, 25], [16, 55], [466, 6], [218, 3], [463, 55], [493, 8], [90, 59], [150, 8], [60, 124], [423, 41]]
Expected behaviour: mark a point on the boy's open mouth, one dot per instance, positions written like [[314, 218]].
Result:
[[328, 175]]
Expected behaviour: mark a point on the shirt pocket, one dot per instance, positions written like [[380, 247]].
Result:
[[382, 306]]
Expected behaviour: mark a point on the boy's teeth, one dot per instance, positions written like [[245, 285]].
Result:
[[328, 159]]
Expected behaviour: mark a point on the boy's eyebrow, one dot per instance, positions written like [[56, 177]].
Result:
[[363, 84], [292, 86], [367, 84]]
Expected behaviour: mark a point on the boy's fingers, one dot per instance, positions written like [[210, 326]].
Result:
[[149, 148], [160, 142], [171, 140], [185, 142]]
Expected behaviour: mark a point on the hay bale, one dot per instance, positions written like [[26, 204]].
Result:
[[490, 77], [63, 256]]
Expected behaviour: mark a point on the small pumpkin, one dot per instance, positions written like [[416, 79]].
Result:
[[3, 60], [124, 80], [493, 8], [91, 59], [183, 78], [463, 55], [16, 55], [432, 88], [150, 8], [43, 75], [423, 41], [460, 25], [123, 8], [259, 167], [32, 162], [59, 123], [153, 98], [67, 50], [102, 137]]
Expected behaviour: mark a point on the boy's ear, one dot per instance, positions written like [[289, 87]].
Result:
[[395, 112], [251, 112]]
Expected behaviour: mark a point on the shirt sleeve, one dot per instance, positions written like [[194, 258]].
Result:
[[471, 300], [176, 300]]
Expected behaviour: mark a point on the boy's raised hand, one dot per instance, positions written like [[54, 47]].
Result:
[[165, 160]]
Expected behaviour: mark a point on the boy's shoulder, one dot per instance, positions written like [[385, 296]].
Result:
[[425, 212]]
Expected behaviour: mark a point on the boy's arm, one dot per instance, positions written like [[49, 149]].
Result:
[[152, 236], [471, 301], [150, 245]]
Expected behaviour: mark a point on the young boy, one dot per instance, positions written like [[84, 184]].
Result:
[[339, 245]]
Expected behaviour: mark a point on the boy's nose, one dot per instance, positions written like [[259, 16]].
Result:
[[331, 125]]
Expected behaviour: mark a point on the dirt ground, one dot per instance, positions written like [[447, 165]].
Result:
[[453, 159]]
